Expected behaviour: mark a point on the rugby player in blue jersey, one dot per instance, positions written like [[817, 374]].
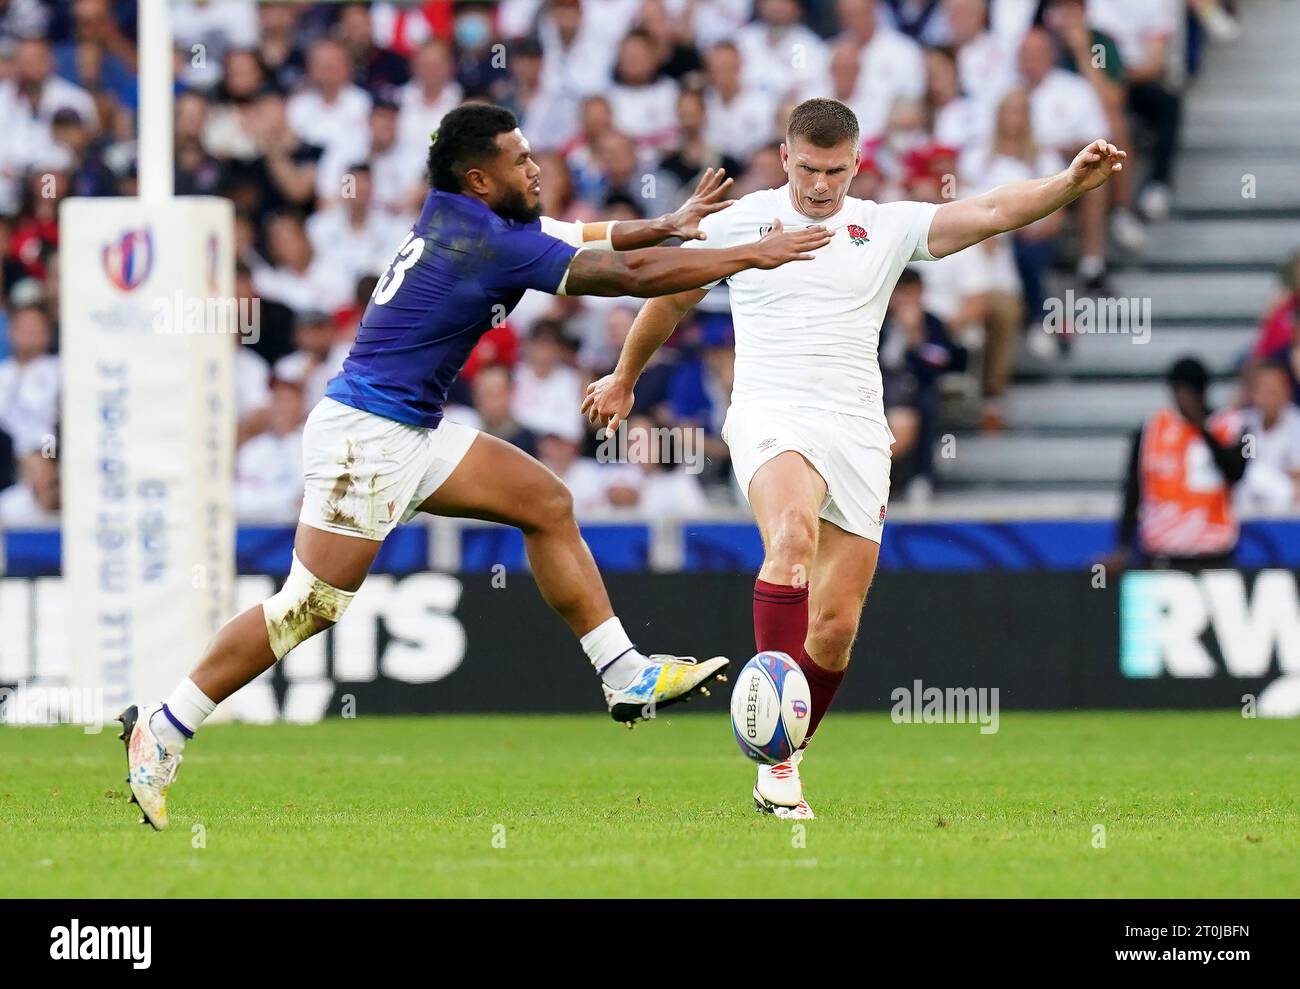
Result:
[[376, 450]]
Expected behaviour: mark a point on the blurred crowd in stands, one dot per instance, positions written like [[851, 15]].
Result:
[[315, 120]]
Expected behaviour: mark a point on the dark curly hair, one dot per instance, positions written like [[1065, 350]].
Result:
[[466, 135], [825, 123]]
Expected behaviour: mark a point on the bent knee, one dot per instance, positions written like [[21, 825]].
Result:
[[549, 508], [792, 539], [831, 636]]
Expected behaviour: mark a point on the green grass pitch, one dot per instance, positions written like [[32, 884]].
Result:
[[1192, 804]]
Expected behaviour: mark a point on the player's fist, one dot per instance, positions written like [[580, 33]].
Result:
[[608, 401], [777, 247], [1095, 164]]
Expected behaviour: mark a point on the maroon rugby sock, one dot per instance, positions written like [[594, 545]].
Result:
[[822, 684], [780, 617]]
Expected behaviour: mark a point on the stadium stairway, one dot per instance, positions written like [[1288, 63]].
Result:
[[1209, 271]]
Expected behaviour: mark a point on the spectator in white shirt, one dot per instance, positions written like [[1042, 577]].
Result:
[[548, 391], [34, 500], [891, 68], [299, 278], [1066, 113], [1271, 442], [216, 27], [740, 119], [956, 120], [664, 488], [594, 486], [30, 97], [352, 235], [331, 111], [1143, 30], [268, 468], [398, 172], [318, 355], [29, 382], [781, 55], [427, 98], [643, 102], [987, 68]]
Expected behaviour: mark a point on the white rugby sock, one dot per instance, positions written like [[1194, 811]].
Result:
[[612, 654], [182, 714]]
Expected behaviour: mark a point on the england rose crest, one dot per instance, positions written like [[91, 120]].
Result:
[[857, 234]]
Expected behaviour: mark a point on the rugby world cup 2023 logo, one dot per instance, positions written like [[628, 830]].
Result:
[[129, 259]]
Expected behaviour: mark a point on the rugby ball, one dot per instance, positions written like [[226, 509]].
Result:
[[770, 705]]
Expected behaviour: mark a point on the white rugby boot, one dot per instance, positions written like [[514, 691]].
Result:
[[779, 791], [662, 682], [150, 765]]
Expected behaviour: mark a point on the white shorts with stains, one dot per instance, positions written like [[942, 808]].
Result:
[[365, 473]]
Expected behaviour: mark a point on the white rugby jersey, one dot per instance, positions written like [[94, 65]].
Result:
[[806, 332]]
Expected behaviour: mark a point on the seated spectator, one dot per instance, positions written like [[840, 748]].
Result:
[[354, 236], [374, 69], [268, 468], [665, 488], [914, 350], [699, 392], [738, 117], [594, 486], [493, 391], [1065, 113], [252, 391], [318, 355], [644, 102], [548, 391], [399, 176], [777, 37], [29, 383], [986, 67], [218, 28], [1094, 55], [34, 500], [1183, 464], [331, 110], [298, 277], [955, 119], [1278, 325], [1271, 441], [1018, 262], [693, 153], [427, 98], [890, 64], [1143, 30]]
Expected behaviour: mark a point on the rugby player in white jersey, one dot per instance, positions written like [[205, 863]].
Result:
[[806, 427]]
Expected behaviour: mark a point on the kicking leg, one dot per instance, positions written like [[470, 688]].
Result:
[[497, 482], [785, 494], [328, 567]]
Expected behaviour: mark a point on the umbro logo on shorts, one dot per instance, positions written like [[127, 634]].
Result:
[[767, 444]]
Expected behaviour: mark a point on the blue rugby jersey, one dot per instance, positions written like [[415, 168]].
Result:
[[461, 269]]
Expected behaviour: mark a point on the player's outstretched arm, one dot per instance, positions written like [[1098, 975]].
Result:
[[656, 271], [630, 235], [609, 400], [958, 225]]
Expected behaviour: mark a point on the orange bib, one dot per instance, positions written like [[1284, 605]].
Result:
[[1186, 507]]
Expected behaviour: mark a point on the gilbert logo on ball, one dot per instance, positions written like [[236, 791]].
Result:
[[769, 707]]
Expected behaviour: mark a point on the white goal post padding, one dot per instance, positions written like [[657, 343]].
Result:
[[147, 438]]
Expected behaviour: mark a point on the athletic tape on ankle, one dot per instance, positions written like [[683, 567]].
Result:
[[304, 596]]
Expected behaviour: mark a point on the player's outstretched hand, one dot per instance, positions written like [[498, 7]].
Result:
[[608, 402], [709, 197], [1095, 164], [778, 247]]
